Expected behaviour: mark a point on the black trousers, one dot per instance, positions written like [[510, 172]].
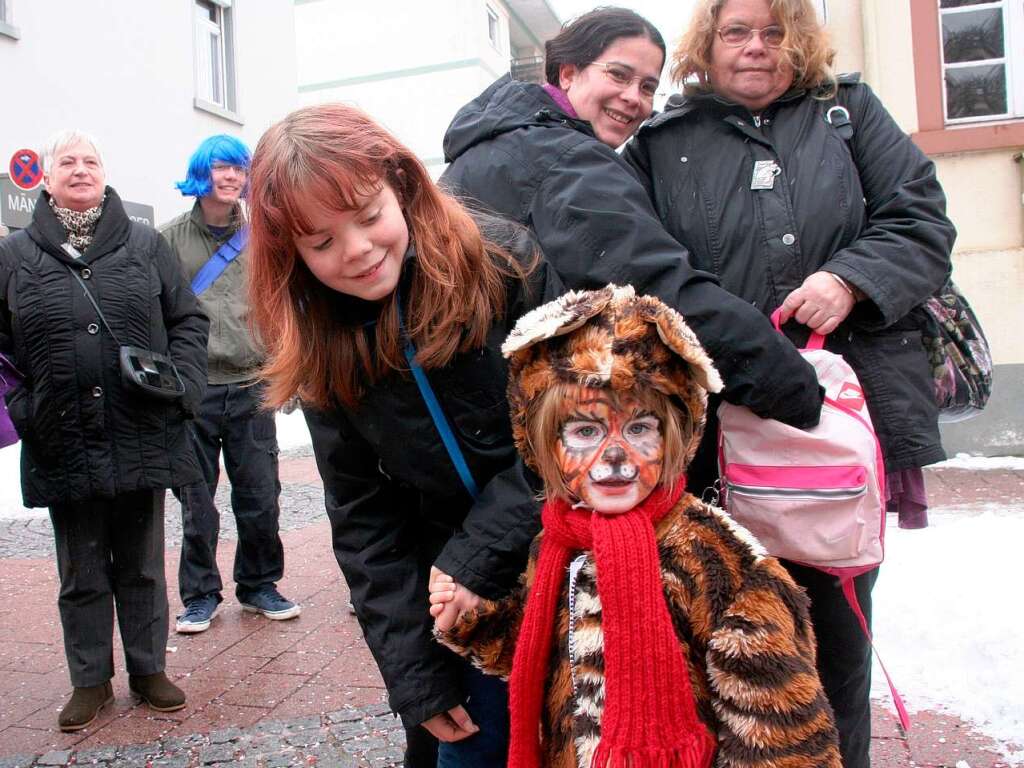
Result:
[[231, 421], [844, 656], [420, 748], [111, 551]]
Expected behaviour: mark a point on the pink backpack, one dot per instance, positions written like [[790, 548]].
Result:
[[814, 496]]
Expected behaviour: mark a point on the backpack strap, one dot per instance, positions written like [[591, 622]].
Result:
[[451, 444], [851, 597], [838, 115], [218, 262], [814, 341]]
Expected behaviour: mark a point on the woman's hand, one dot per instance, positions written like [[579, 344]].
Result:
[[448, 600], [453, 725], [821, 303]]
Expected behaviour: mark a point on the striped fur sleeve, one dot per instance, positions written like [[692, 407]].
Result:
[[487, 635], [761, 665]]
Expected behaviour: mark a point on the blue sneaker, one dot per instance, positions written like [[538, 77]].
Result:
[[268, 601], [199, 612]]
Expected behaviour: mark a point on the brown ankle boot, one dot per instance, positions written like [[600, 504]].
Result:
[[84, 705], [157, 691]]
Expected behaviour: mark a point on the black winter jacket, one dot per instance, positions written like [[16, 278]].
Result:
[[514, 152], [869, 210], [397, 505], [84, 433]]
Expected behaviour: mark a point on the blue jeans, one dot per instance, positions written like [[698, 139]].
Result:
[[487, 704]]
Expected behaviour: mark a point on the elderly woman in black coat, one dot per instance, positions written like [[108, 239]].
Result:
[[799, 191], [96, 449]]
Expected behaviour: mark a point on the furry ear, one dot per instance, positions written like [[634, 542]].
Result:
[[678, 337], [562, 316]]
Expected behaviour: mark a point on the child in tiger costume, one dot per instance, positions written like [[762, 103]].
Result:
[[649, 628]]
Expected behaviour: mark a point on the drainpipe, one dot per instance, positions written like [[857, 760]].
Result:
[[1019, 157]]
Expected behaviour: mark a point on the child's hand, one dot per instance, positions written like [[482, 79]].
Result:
[[448, 599]]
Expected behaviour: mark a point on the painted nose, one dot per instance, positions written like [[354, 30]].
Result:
[[614, 454]]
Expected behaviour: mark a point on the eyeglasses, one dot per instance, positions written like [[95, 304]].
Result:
[[218, 165], [622, 75], [735, 35]]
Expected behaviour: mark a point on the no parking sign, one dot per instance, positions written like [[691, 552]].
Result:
[[25, 169]]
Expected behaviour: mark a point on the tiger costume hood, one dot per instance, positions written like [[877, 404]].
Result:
[[609, 338]]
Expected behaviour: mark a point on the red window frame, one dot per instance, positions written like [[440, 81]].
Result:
[[934, 137]]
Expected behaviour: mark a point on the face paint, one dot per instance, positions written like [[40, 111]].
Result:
[[610, 455]]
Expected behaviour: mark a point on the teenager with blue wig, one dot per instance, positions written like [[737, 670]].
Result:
[[217, 150], [210, 242]]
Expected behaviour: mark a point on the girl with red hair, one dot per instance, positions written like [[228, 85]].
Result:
[[360, 265]]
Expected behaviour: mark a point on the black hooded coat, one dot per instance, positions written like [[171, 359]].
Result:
[[514, 152]]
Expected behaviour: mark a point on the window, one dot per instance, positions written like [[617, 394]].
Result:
[[214, 56], [6, 21], [982, 59], [494, 28]]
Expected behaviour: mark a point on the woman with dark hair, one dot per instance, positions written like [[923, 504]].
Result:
[[545, 156], [359, 264], [802, 192]]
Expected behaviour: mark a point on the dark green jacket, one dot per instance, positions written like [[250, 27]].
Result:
[[233, 353]]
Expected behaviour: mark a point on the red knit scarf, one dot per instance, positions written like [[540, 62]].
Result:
[[650, 717]]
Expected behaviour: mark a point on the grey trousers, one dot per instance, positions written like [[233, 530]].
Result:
[[111, 551]]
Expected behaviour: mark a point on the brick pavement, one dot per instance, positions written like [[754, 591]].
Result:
[[268, 694]]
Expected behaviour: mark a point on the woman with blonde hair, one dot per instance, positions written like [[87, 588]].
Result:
[[798, 190], [382, 303]]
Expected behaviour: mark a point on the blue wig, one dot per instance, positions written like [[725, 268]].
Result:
[[220, 148]]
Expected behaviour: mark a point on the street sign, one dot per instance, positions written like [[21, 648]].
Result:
[[139, 212], [25, 168], [17, 205]]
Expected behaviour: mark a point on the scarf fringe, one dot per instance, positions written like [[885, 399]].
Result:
[[698, 753]]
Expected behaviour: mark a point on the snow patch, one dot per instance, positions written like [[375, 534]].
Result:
[[948, 624], [967, 461]]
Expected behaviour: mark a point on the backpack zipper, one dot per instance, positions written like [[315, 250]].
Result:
[[812, 493]]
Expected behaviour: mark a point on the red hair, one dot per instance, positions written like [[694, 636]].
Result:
[[335, 154]]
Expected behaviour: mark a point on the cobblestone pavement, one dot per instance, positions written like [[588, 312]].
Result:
[[302, 503], [365, 737], [306, 692]]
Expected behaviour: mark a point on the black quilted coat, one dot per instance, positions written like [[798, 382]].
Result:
[[84, 433]]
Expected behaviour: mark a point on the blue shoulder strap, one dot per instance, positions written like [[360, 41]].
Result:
[[212, 269], [440, 421]]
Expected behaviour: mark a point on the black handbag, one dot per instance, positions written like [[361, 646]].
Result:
[[142, 370]]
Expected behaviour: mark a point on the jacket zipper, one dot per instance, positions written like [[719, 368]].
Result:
[[574, 571]]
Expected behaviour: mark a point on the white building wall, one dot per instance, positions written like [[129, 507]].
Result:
[[411, 73], [123, 71]]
